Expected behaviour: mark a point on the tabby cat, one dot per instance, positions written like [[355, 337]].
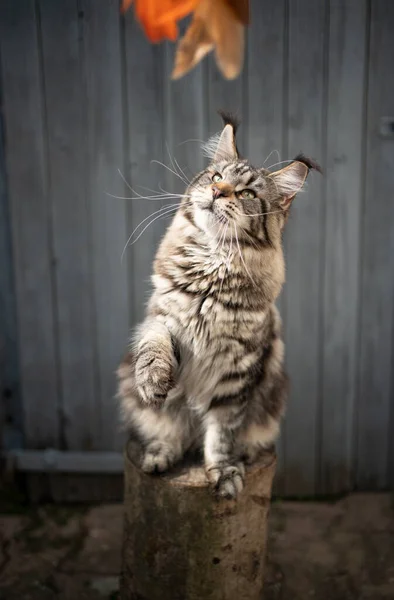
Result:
[[205, 369]]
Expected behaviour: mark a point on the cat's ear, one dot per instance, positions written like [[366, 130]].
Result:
[[223, 146], [290, 180], [226, 147]]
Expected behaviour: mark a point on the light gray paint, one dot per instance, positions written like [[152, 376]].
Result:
[[87, 98], [10, 403], [374, 449], [305, 113], [342, 199], [31, 222], [56, 461]]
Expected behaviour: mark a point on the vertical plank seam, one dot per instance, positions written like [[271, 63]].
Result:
[[205, 109], [96, 380], [363, 181], [162, 69], [126, 152], [60, 433], [163, 59], [164, 84], [203, 117], [12, 352], [285, 151], [390, 424], [243, 81], [322, 226]]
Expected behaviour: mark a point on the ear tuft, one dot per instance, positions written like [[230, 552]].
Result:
[[290, 180], [309, 162], [230, 119], [223, 146]]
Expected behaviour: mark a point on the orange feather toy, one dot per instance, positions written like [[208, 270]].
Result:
[[216, 25]]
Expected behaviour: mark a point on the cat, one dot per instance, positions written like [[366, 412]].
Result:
[[205, 369]]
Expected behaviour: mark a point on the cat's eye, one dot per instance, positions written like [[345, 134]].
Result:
[[217, 177], [247, 194]]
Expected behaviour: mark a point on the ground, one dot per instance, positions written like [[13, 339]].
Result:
[[325, 551]]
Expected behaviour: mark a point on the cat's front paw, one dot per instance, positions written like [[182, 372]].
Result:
[[157, 458], [154, 379], [227, 481]]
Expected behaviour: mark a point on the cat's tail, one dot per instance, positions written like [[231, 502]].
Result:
[[126, 388]]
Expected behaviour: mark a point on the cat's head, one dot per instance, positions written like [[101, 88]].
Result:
[[251, 202]]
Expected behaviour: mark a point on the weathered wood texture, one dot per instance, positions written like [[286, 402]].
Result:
[[87, 105], [31, 221], [305, 117], [342, 199], [10, 399], [374, 456], [180, 542]]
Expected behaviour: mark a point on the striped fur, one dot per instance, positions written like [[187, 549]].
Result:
[[205, 369]]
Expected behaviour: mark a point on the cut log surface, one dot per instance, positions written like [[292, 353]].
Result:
[[182, 543]]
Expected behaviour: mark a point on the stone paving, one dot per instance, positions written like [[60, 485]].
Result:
[[324, 551]]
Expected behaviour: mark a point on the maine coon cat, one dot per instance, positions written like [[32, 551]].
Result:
[[205, 369]]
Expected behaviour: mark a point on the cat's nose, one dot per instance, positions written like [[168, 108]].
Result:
[[216, 192], [222, 190]]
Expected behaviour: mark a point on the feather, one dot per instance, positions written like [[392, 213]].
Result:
[[218, 25]]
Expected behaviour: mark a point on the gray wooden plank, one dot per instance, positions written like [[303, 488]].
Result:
[[30, 220], [65, 97], [265, 82], [108, 215], [265, 108], [144, 71], [184, 110], [347, 50], [229, 96], [73, 488], [56, 461], [10, 397], [304, 245], [377, 289]]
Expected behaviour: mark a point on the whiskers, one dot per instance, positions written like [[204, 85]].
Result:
[[162, 195], [271, 212], [228, 261], [221, 239], [177, 171], [242, 258], [162, 212]]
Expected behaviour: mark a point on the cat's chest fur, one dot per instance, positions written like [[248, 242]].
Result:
[[203, 299], [216, 330]]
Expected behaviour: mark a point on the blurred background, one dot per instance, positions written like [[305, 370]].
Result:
[[86, 101]]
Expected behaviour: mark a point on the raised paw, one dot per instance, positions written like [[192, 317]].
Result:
[[227, 480], [157, 459], [154, 379]]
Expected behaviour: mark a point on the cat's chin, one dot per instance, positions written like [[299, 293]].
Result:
[[207, 221]]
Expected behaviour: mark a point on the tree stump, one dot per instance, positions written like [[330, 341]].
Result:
[[182, 543]]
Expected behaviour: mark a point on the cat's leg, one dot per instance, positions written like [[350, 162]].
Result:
[[165, 433], [146, 377], [261, 425], [166, 437], [256, 439], [224, 468], [156, 363]]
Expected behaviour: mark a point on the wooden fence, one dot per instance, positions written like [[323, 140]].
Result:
[[85, 99]]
